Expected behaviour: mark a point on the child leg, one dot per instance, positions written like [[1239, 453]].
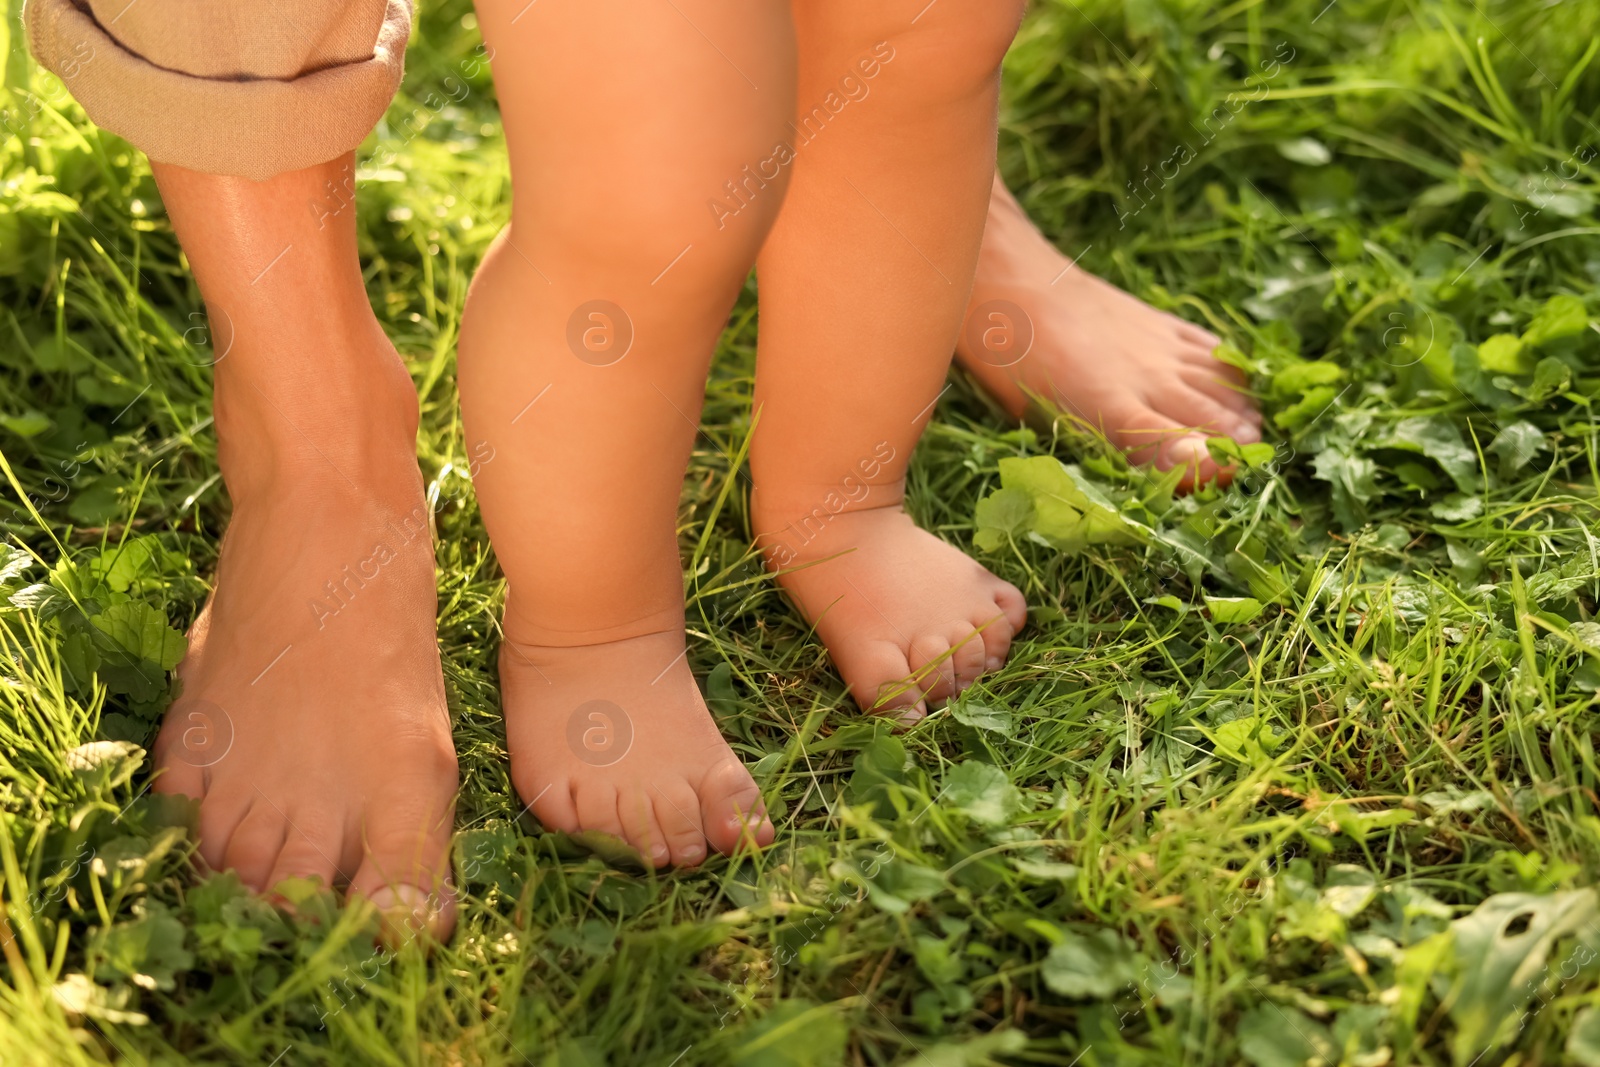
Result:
[[863, 283], [583, 356]]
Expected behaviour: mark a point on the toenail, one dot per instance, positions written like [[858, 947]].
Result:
[[405, 907], [660, 854], [1187, 452], [694, 853], [993, 663]]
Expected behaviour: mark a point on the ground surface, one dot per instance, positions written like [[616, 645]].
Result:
[[1265, 779]]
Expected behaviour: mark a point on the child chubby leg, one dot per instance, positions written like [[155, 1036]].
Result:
[[864, 280], [588, 333]]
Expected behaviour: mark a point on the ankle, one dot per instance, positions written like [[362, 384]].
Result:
[[526, 632], [798, 526], [340, 411]]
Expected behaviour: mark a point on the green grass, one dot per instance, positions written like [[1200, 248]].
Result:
[[1356, 826]]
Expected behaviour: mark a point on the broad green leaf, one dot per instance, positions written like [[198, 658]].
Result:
[[795, 1033], [1307, 409], [1068, 510], [1004, 514], [1562, 316], [1457, 507], [1583, 1041], [1234, 610], [983, 792], [149, 950], [1501, 951], [1274, 1035], [1413, 975], [900, 884], [1249, 740], [974, 1052], [1090, 966], [1550, 376], [105, 764], [142, 632], [1437, 437], [1301, 377], [29, 424], [1226, 450], [1354, 481], [78, 995], [490, 856], [13, 562], [879, 766], [121, 566], [1047, 870], [981, 716], [1517, 445], [1504, 354], [1349, 889]]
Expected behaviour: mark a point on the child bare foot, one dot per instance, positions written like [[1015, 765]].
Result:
[[584, 349], [1145, 378], [862, 287], [312, 724], [907, 618], [614, 737]]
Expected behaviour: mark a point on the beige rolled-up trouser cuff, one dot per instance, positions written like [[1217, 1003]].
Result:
[[247, 87]]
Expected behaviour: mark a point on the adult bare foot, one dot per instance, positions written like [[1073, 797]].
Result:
[[907, 618], [1144, 378], [614, 737], [312, 724]]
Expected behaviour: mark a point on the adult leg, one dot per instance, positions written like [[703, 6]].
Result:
[[312, 725], [1144, 378], [863, 284], [588, 333]]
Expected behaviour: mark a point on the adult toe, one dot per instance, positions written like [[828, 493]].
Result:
[[1191, 455], [1198, 335], [255, 843], [311, 849], [1146, 434], [405, 867], [1220, 392], [221, 812]]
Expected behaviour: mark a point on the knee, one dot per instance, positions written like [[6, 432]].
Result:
[[951, 51], [959, 53], [632, 217]]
